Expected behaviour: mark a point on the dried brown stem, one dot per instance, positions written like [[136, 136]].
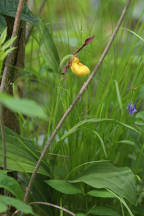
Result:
[[48, 204], [9, 58], [6, 74], [82, 90], [55, 206]]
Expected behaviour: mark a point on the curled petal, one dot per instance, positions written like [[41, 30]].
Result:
[[89, 40]]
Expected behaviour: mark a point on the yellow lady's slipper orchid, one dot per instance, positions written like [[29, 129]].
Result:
[[78, 68]]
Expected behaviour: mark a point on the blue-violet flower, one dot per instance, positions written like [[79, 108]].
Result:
[[131, 108]]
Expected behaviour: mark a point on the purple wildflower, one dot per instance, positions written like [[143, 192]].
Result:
[[131, 108]]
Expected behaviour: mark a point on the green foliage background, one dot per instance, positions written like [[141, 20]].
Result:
[[95, 164]]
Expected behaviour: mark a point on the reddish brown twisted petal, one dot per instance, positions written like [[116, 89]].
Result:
[[89, 40]]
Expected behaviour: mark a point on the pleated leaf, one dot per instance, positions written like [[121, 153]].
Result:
[[104, 211], [9, 201], [63, 186], [22, 154], [24, 106], [121, 181], [11, 185]]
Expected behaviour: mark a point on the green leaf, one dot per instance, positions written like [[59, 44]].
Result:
[[140, 115], [80, 214], [94, 120], [128, 142], [63, 186], [3, 36], [104, 175], [48, 48], [9, 8], [141, 92], [101, 193], [3, 207], [124, 203], [17, 204], [7, 44], [3, 172], [3, 24], [22, 154], [104, 211], [11, 185], [24, 106], [102, 143], [118, 96]]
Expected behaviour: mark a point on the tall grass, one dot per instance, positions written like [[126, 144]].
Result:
[[100, 127]]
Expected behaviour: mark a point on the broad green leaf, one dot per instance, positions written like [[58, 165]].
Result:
[[11, 185], [9, 8], [17, 204], [101, 193], [24, 106], [3, 207], [22, 154], [121, 181], [63, 186], [104, 211]]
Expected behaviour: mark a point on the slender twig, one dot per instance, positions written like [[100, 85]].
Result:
[[82, 90], [55, 206], [5, 76], [31, 28], [48, 204]]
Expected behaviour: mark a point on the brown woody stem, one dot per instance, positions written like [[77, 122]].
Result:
[[6, 74]]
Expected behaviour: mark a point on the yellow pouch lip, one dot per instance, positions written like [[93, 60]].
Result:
[[78, 68]]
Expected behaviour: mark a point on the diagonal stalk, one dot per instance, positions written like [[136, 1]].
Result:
[[81, 92]]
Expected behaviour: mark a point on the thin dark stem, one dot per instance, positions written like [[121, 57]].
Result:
[[82, 90], [48, 204], [31, 28], [55, 206], [5, 76]]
